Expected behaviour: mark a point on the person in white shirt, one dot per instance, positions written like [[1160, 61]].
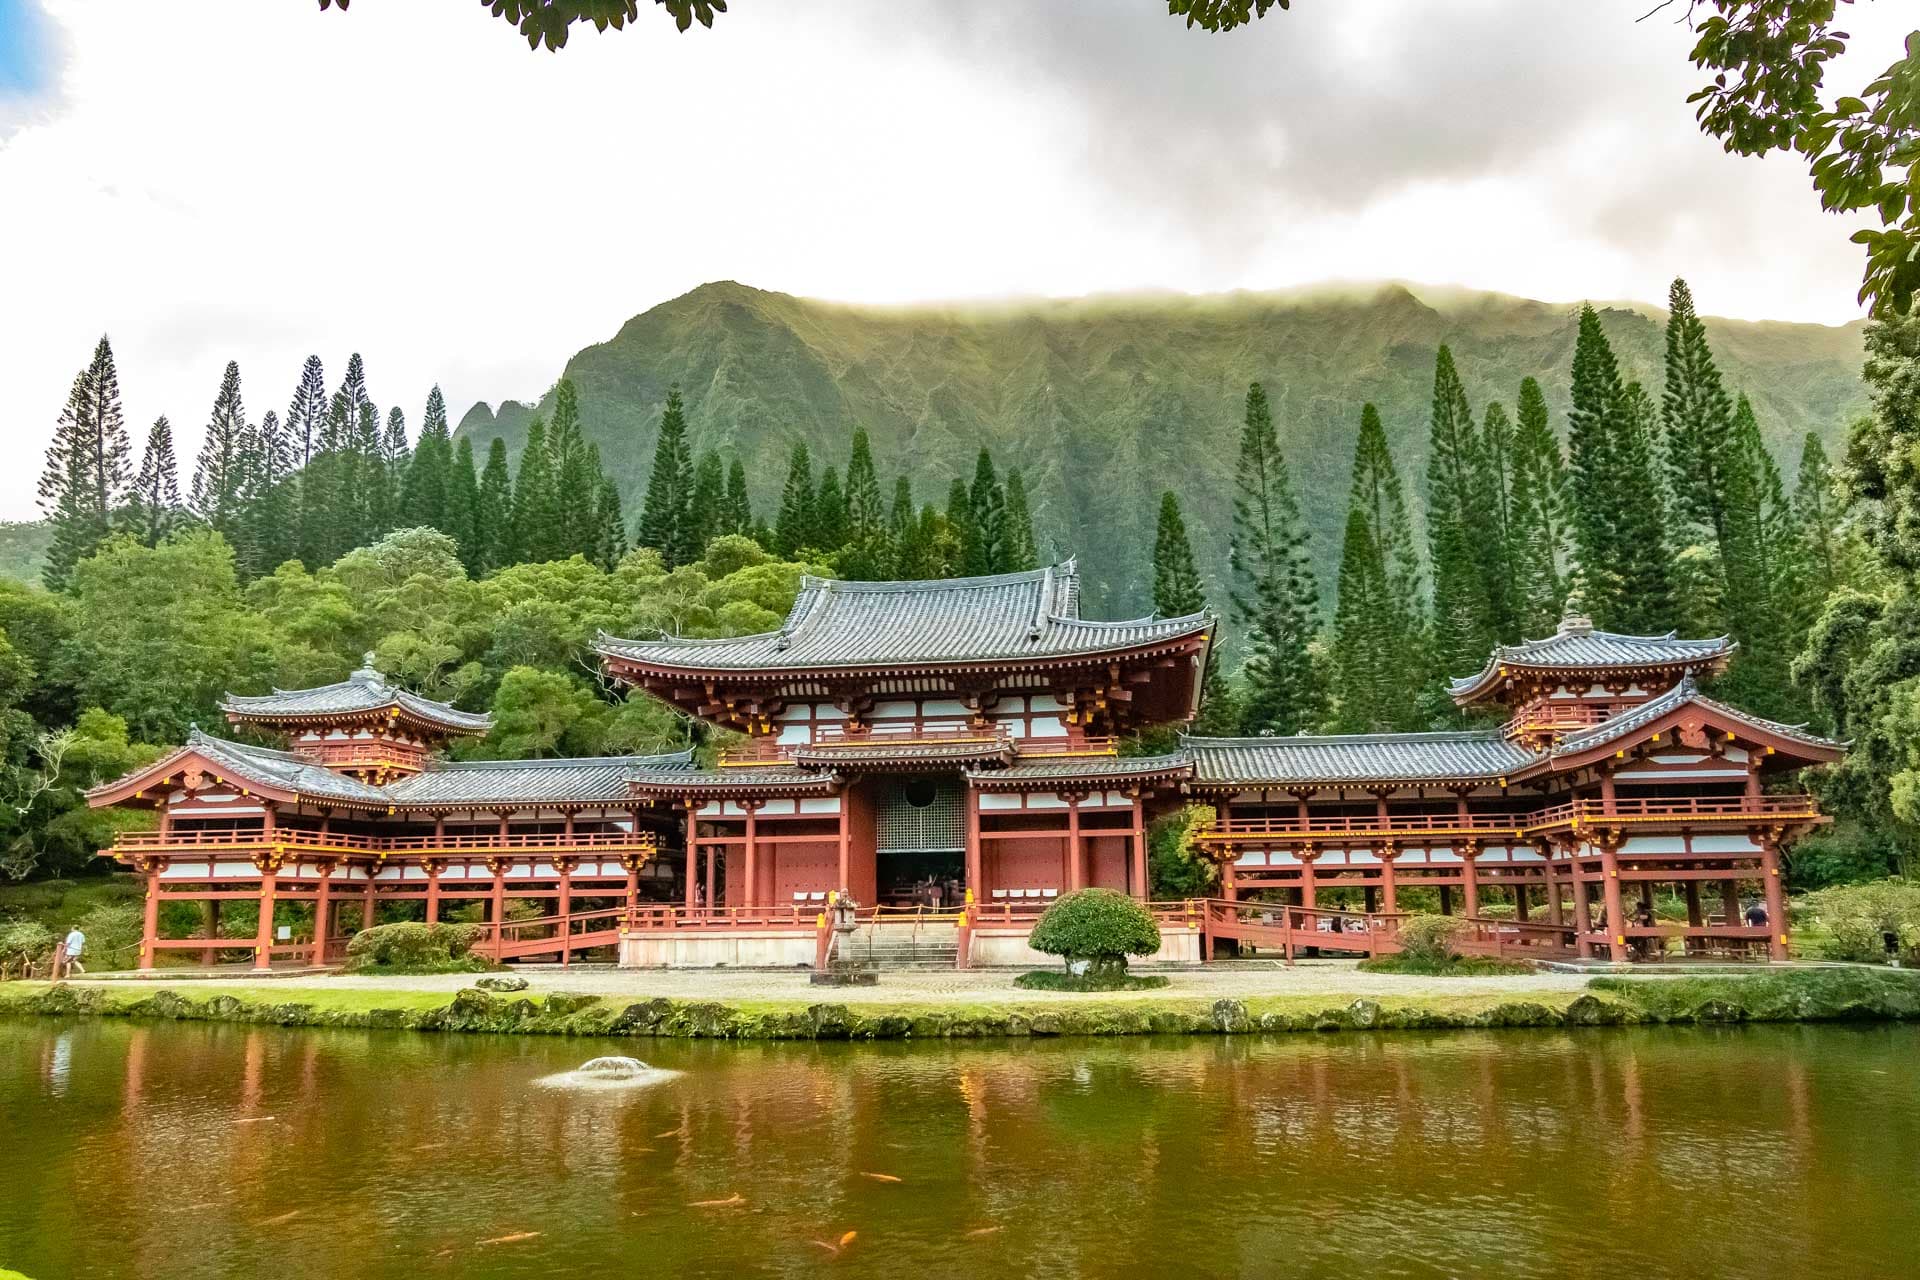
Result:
[[70, 954]]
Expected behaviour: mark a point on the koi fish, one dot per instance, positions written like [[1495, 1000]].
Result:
[[848, 1238], [513, 1238], [288, 1216], [977, 1232], [880, 1177], [729, 1202], [253, 1119]]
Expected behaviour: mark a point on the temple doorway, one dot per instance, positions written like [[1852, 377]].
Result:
[[920, 845]]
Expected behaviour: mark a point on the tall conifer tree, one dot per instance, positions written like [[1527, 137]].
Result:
[[1177, 587], [739, 504], [220, 478], [153, 508], [1698, 421], [1022, 550], [536, 532], [269, 498], [496, 540], [307, 413], [86, 473], [1275, 597], [829, 512], [903, 531], [1596, 430], [1818, 508], [665, 515], [426, 498], [793, 528], [1537, 520], [1460, 528], [610, 538], [1380, 499], [708, 507], [986, 519], [1369, 694], [463, 502], [1644, 564]]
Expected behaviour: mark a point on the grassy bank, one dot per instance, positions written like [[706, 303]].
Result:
[[1809, 996]]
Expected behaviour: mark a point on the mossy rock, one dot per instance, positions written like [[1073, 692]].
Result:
[[1720, 1011], [166, 1004], [1230, 1017], [1591, 1011], [1363, 1014], [502, 982], [558, 1002], [1520, 1013]]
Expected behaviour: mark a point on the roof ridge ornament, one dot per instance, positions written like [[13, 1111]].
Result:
[[1574, 619]]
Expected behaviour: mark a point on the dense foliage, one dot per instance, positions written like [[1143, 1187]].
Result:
[[1431, 939], [412, 947], [1099, 926]]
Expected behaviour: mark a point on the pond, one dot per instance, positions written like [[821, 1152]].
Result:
[[188, 1150]]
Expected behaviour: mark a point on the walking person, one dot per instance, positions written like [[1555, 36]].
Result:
[[66, 961]]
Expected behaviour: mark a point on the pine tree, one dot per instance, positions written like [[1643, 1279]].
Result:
[[739, 505], [1380, 499], [793, 529], [369, 471], [1596, 431], [269, 498], [1698, 420], [153, 507], [957, 524], [665, 516], [1773, 608], [829, 512], [1818, 508], [1022, 552], [463, 502], [1460, 528], [220, 474], [536, 536], [396, 459], [577, 474], [85, 479], [307, 414], [610, 539], [866, 510], [1177, 588], [986, 520], [1497, 445], [426, 497], [1536, 524], [1645, 605], [496, 540], [1275, 597], [707, 509], [1368, 692], [903, 531]]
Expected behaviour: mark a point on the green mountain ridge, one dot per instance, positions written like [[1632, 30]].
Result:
[[1105, 401]]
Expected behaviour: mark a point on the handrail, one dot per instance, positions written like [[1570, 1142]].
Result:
[[1651, 810], [1408, 822], [1733, 808], [352, 842]]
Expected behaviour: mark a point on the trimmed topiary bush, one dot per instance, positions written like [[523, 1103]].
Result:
[[411, 947], [1095, 930], [1054, 980]]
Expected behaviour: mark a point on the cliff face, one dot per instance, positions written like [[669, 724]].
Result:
[[1104, 402]]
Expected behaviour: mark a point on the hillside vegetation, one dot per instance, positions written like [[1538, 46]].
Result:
[[1104, 402]]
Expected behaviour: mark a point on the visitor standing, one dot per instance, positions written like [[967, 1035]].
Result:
[[1757, 915], [68, 960]]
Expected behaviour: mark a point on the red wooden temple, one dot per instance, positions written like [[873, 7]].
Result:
[[949, 754]]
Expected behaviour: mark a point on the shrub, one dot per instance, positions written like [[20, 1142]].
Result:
[[1095, 930], [1431, 940], [1454, 967], [1053, 980], [1857, 918], [113, 936], [23, 942], [1177, 868], [411, 947]]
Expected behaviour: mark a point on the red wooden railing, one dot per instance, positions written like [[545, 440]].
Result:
[[302, 839], [830, 738], [1692, 809], [1292, 928], [1556, 717], [338, 755], [1370, 824], [1687, 809]]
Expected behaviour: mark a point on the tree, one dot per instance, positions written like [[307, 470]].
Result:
[[268, 498], [153, 508], [540, 714], [610, 527], [307, 414], [794, 527], [738, 510], [548, 21], [463, 500], [666, 515], [1022, 552], [1461, 528], [1642, 563], [707, 508], [536, 532], [903, 531], [829, 512], [1399, 612], [426, 497], [85, 478], [1596, 431], [1698, 419], [986, 519], [391, 475], [1177, 588], [1367, 696], [1275, 597], [1537, 532], [495, 537], [220, 474], [1819, 507]]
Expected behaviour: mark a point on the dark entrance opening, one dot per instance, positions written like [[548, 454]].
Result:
[[920, 842]]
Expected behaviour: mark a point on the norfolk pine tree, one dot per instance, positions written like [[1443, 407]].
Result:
[[1381, 499], [1460, 527], [1275, 598], [496, 538], [986, 519], [1022, 551], [85, 478], [153, 507], [1537, 523], [793, 526], [665, 523]]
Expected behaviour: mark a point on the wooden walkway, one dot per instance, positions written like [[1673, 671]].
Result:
[[1290, 930]]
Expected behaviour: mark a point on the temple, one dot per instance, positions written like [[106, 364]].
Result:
[[953, 755]]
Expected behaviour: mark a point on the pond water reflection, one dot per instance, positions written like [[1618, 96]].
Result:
[[186, 1150]]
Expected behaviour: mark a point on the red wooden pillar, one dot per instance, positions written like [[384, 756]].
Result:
[[1776, 892], [1730, 901], [976, 887], [150, 919], [433, 868], [750, 895], [1307, 858], [1142, 889], [263, 931], [322, 915], [846, 842], [1556, 912], [1520, 901], [693, 854], [208, 956], [1616, 913], [366, 906], [565, 868], [1469, 877], [1076, 865], [498, 904], [1582, 909], [1389, 879]]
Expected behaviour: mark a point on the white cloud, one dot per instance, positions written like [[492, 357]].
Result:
[[409, 181]]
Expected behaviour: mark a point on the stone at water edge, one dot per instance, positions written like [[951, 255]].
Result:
[[502, 982]]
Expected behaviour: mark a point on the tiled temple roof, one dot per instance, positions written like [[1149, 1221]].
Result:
[[836, 624], [282, 769], [1673, 699], [1577, 646], [1071, 769], [772, 779], [595, 780], [364, 691], [1387, 757]]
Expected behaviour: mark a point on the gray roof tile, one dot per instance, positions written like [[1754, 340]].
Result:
[[1576, 646], [365, 690], [1680, 695], [1085, 769], [282, 769], [1386, 757], [836, 624], [587, 781], [770, 778]]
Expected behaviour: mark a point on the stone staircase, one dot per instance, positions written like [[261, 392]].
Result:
[[906, 946]]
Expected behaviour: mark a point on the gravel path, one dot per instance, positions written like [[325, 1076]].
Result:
[[1336, 979]]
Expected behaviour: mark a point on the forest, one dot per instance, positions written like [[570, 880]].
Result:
[[302, 541]]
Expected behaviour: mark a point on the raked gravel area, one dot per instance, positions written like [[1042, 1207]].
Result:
[[1331, 978]]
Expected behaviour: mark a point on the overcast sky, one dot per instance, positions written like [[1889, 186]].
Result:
[[257, 180]]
